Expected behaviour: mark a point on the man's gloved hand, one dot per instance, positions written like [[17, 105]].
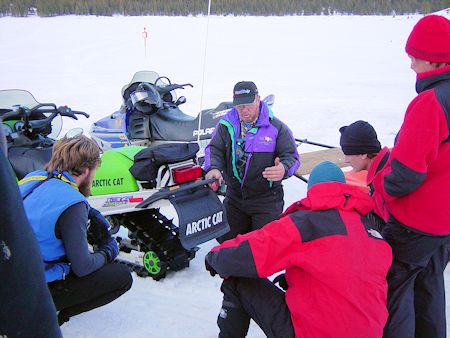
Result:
[[98, 232], [281, 280], [110, 249], [209, 268], [57, 271], [214, 173]]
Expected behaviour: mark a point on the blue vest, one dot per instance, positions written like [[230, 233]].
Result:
[[45, 204]]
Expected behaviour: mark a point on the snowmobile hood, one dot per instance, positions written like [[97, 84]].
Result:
[[334, 195]]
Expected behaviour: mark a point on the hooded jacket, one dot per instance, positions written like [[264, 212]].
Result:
[[335, 261], [415, 183]]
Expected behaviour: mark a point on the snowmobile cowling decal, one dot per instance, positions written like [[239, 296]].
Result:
[[201, 132], [204, 223]]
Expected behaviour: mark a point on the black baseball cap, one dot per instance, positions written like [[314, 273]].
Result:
[[244, 92]]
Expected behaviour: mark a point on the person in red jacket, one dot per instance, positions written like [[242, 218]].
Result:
[[335, 264], [415, 185], [362, 150]]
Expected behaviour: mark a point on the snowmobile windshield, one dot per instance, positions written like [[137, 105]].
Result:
[[141, 76], [12, 99], [146, 76]]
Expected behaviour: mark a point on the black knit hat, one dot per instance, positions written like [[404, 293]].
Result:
[[359, 138]]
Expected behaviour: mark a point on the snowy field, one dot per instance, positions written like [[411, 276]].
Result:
[[324, 71]]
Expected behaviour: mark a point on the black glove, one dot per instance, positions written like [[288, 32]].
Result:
[[110, 250], [98, 232], [281, 280], [209, 268]]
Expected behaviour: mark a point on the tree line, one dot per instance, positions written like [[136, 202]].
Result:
[[218, 7]]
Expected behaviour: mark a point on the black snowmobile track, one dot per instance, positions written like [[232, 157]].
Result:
[[149, 230]]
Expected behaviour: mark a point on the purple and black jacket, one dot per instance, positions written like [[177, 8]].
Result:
[[268, 139]]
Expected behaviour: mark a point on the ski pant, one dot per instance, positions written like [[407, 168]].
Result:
[[75, 295], [416, 294], [245, 215], [257, 299]]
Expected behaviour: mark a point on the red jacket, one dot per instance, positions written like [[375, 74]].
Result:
[[416, 181], [335, 261], [380, 207]]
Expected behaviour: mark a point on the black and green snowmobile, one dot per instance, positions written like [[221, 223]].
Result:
[[132, 186]]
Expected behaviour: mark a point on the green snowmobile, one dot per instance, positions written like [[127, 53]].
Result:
[[131, 187]]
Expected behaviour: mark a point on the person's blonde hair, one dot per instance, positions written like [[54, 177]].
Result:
[[74, 154]]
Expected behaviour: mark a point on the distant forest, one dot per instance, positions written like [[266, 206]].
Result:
[[218, 7]]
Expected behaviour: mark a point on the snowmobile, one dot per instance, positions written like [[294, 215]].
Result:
[[130, 187], [151, 114]]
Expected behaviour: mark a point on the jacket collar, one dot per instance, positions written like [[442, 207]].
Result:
[[377, 164], [428, 80]]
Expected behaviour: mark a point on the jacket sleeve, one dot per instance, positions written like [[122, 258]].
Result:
[[417, 146], [260, 253], [72, 224], [216, 149], [286, 150]]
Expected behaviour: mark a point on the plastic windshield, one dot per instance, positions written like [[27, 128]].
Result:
[[14, 98], [148, 76]]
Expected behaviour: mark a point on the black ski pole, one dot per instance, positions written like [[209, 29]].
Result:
[[301, 177], [313, 143]]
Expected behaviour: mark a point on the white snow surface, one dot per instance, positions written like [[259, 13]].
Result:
[[325, 72]]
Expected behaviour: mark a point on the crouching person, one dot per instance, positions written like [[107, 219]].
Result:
[[335, 262], [57, 209]]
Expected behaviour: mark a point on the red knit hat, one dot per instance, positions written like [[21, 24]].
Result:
[[430, 39]]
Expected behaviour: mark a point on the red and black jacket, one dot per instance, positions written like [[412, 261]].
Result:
[[335, 261], [415, 183]]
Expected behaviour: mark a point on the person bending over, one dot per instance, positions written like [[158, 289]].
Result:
[[57, 209], [335, 261]]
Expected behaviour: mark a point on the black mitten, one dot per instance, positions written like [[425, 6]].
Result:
[[98, 232]]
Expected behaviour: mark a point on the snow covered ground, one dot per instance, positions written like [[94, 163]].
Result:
[[324, 71]]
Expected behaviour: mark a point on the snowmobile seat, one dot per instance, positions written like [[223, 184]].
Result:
[[27, 159]]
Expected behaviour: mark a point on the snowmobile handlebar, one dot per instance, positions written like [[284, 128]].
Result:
[[35, 126], [170, 87]]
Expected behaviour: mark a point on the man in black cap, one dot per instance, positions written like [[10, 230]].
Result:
[[363, 151], [253, 152]]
